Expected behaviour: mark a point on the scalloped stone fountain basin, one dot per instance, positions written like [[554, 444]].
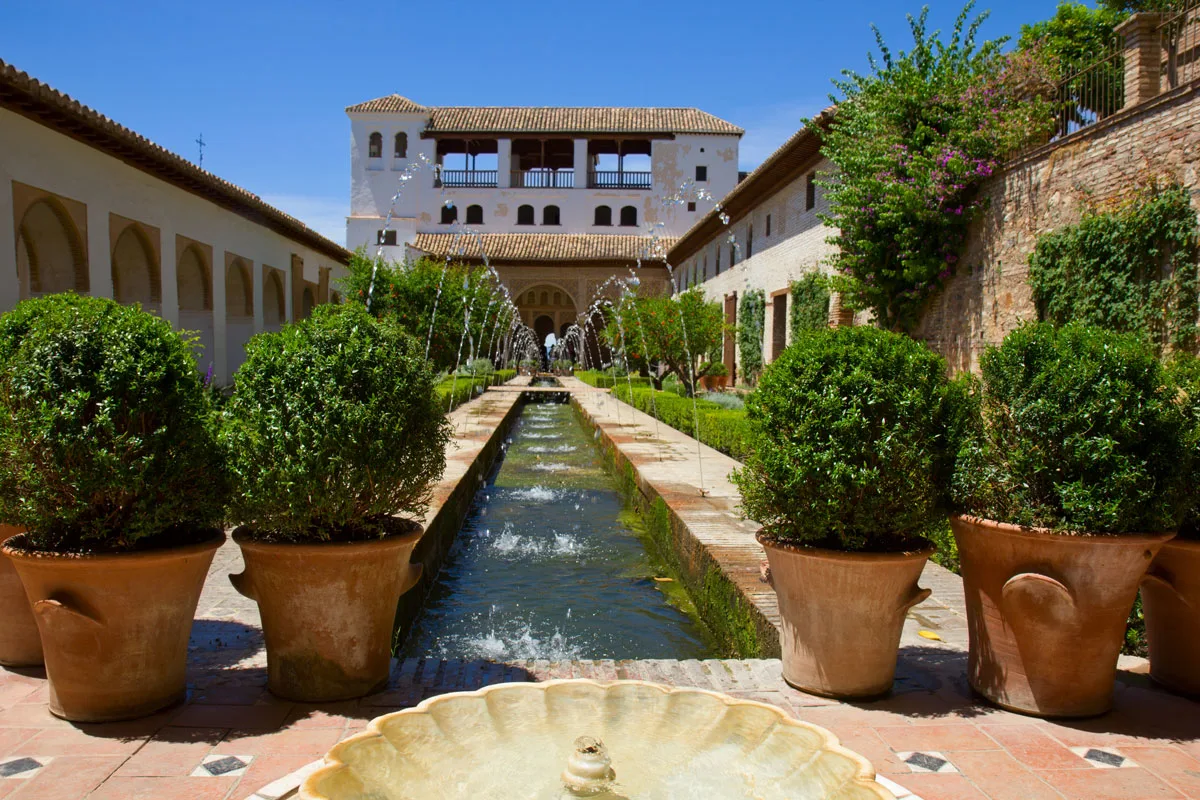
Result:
[[522, 741]]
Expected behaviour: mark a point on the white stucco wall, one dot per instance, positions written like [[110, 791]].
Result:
[[375, 181], [39, 157]]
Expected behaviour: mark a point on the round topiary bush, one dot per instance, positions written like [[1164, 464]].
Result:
[[333, 428], [1080, 432], [851, 431], [107, 438]]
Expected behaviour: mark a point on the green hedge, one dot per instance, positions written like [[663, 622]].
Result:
[[720, 428], [464, 388], [605, 380]]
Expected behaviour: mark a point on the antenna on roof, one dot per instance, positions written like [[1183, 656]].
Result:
[[200, 141]]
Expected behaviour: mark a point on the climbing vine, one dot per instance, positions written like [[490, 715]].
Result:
[[911, 142], [1131, 267], [810, 303], [752, 311]]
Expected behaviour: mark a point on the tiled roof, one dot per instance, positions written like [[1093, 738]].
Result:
[[543, 246], [392, 104], [555, 119], [780, 168], [31, 98]]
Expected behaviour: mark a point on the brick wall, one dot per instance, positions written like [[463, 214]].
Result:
[[1045, 190]]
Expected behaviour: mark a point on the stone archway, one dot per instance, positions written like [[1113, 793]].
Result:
[[135, 274], [274, 304], [51, 256], [193, 276]]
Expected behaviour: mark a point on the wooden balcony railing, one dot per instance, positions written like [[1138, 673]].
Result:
[[465, 178], [614, 179], [543, 179]]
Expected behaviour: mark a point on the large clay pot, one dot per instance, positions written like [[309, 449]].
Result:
[[115, 627], [843, 614], [1046, 613], [20, 643], [1171, 602], [713, 383], [328, 610]]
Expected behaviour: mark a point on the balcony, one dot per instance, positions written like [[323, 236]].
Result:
[[543, 179], [617, 179], [465, 179]]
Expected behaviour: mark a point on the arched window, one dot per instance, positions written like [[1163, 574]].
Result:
[[550, 215], [191, 281], [525, 215], [474, 215], [375, 145], [449, 214], [135, 269], [629, 216], [308, 301], [401, 145], [50, 251], [603, 216], [239, 300], [274, 305]]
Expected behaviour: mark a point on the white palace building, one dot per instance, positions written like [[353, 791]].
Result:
[[561, 198]]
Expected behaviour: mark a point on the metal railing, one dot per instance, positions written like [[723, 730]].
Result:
[[1089, 94], [1179, 31], [543, 179], [615, 179], [465, 178]]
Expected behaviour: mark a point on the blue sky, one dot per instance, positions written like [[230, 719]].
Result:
[[266, 81]]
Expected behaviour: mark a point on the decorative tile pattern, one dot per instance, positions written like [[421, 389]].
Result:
[[22, 767], [927, 762], [1104, 759], [218, 766]]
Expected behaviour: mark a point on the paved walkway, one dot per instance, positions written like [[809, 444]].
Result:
[[932, 736]]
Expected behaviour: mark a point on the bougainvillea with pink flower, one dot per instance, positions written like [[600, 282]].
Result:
[[911, 142]]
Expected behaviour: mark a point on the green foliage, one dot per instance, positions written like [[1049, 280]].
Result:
[[1133, 268], [333, 428], [651, 329], [605, 380], [945, 551], [1078, 432], [911, 142], [1183, 376], [408, 294], [810, 304], [455, 390], [1075, 39], [852, 431], [752, 316], [720, 428], [716, 369], [106, 435]]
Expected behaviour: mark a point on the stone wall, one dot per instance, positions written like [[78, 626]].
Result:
[[1045, 190]]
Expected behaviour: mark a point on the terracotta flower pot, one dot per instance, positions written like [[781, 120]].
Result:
[[843, 614], [1046, 613], [20, 644], [328, 610], [114, 627], [1171, 603], [712, 383]]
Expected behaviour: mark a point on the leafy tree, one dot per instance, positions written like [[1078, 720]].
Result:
[[911, 143], [1074, 39], [435, 302], [651, 330]]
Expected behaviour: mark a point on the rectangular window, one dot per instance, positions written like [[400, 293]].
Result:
[[732, 255], [768, 232], [810, 192], [701, 174], [704, 274], [386, 238], [718, 272], [692, 206]]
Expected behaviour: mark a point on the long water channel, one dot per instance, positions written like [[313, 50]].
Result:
[[549, 564]]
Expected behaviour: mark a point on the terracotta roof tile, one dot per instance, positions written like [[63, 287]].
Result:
[[555, 119], [543, 246], [29, 97]]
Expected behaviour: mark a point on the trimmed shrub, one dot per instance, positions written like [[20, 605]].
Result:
[[720, 428], [1183, 375], [851, 430], [453, 391], [333, 428], [1079, 433], [810, 304], [106, 434], [605, 380]]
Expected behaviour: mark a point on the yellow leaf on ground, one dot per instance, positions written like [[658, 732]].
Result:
[[929, 635]]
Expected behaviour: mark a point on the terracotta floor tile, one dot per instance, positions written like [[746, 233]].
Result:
[[1133, 783], [1095, 733], [18, 689], [227, 696], [159, 788], [1000, 776], [1171, 764], [68, 778], [12, 738], [30, 715], [957, 736], [330, 715], [255, 717], [866, 742], [173, 752], [1034, 748], [941, 787], [313, 742], [8, 787], [74, 742], [267, 769]]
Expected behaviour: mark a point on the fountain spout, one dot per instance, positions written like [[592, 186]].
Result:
[[589, 771]]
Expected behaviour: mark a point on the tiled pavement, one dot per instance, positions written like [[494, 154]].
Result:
[[931, 737]]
